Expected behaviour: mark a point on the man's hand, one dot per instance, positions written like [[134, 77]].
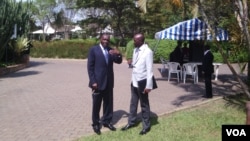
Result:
[[146, 91], [129, 61], [114, 51], [94, 86]]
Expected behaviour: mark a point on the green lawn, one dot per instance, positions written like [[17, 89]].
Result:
[[202, 123]]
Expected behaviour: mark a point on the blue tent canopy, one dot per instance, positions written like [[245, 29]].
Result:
[[193, 29]]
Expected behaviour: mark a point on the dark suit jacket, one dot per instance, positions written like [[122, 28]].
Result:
[[207, 63], [177, 55], [98, 70]]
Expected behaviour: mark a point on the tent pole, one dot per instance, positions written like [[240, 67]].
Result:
[[155, 47]]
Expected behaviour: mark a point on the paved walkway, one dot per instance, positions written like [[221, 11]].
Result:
[[50, 100]]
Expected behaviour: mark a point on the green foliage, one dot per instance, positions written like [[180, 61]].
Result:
[[129, 50], [164, 48], [77, 49], [120, 14], [217, 57], [20, 45], [161, 48], [4, 65], [12, 13], [17, 48]]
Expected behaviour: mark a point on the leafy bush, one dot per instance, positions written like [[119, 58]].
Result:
[[20, 45], [217, 57], [161, 48], [77, 49], [13, 14]]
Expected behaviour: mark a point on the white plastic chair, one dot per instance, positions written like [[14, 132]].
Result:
[[190, 69], [164, 64], [174, 67]]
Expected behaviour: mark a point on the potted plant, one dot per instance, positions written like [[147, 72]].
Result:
[[21, 47]]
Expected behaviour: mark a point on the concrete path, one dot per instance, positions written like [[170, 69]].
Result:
[[50, 100]]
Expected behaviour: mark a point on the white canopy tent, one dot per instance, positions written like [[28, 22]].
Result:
[[107, 29], [38, 32], [47, 30], [77, 28]]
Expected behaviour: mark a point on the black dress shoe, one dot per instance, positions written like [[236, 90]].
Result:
[[127, 127], [110, 126], [144, 131], [96, 129]]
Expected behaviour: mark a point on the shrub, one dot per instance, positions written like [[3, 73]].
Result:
[[77, 49], [160, 48]]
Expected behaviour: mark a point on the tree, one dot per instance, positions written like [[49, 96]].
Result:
[[240, 8], [43, 12], [217, 12], [119, 14], [13, 14]]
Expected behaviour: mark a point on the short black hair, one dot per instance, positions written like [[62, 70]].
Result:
[[206, 47], [103, 34]]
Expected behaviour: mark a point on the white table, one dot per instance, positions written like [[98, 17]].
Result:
[[216, 65]]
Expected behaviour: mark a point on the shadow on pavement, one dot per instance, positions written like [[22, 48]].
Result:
[[226, 85], [21, 74], [36, 63]]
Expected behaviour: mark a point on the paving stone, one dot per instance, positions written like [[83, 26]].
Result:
[[50, 100]]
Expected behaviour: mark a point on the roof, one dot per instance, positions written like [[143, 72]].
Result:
[[193, 29]]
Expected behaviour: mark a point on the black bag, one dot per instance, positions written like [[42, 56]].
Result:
[[142, 84]]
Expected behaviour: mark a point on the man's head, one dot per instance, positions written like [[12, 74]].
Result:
[[206, 47], [104, 39], [138, 39], [185, 45]]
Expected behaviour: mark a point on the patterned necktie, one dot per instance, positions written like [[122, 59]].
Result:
[[136, 53], [106, 55]]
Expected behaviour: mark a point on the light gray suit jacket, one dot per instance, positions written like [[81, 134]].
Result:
[[143, 66]]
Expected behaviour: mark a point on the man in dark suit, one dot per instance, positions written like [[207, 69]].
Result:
[[208, 69], [142, 70], [101, 80]]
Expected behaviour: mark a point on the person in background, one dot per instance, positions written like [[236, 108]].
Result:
[[101, 80], [129, 54], [142, 70], [177, 55], [208, 69], [185, 51]]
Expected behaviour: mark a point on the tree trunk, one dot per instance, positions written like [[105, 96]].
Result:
[[243, 85], [248, 113]]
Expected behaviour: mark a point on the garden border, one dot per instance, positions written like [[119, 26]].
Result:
[[13, 68]]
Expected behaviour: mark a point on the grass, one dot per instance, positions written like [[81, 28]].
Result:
[[4, 65], [202, 123]]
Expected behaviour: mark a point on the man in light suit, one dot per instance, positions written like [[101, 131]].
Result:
[[142, 69], [101, 80], [208, 69]]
